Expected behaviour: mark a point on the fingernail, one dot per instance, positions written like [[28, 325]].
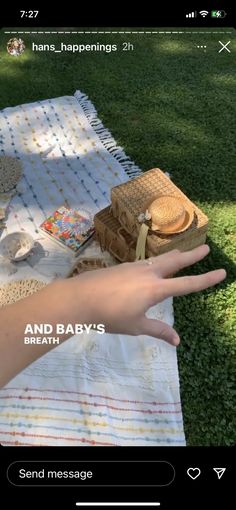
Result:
[[176, 340], [224, 274]]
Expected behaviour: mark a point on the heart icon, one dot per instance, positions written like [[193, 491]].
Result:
[[193, 472]]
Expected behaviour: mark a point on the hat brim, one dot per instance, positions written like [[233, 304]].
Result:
[[189, 217]]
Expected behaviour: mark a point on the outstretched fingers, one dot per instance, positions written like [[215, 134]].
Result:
[[174, 261], [159, 329], [188, 284]]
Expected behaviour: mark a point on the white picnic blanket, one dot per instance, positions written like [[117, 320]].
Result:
[[93, 389]]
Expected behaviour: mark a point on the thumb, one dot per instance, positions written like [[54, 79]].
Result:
[[159, 329]]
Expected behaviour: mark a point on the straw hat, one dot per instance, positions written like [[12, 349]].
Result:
[[170, 215], [87, 264]]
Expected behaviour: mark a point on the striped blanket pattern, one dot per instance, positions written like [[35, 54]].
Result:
[[93, 389]]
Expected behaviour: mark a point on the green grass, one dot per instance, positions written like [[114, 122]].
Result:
[[169, 105]]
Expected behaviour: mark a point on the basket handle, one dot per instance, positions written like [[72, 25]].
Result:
[[123, 218], [119, 233], [120, 229], [110, 249]]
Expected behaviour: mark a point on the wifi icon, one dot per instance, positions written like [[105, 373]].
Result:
[[204, 13]]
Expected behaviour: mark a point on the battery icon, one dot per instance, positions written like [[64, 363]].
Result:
[[218, 14]]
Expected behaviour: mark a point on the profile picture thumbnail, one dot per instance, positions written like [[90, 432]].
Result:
[[15, 47]]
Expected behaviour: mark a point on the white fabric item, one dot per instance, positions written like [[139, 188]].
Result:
[[93, 389]]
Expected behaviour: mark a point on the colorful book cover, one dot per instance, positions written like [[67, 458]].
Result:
[[70, 227]]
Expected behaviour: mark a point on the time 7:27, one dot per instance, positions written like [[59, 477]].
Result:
[[28, 14]]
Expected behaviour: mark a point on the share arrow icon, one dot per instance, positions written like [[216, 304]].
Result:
[[219, 472]]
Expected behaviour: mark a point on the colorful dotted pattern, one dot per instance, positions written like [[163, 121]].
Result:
[[108, 397], [64, 161]]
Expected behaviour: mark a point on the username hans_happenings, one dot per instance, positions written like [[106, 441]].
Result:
[[75, 48]]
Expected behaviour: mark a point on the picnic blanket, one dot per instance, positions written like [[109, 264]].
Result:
[[93, 389]]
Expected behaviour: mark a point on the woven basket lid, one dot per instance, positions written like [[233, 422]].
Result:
[[170, 215], [10, 172]]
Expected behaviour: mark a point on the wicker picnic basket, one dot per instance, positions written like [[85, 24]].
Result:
[[113, 237], [131, 198]]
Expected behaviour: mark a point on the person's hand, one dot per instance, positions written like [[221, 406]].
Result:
[[120, 296], [117, 297]]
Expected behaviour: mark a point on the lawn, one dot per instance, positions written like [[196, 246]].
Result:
[[171, 105]]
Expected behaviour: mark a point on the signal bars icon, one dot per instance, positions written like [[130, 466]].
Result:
[[192, 14]]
